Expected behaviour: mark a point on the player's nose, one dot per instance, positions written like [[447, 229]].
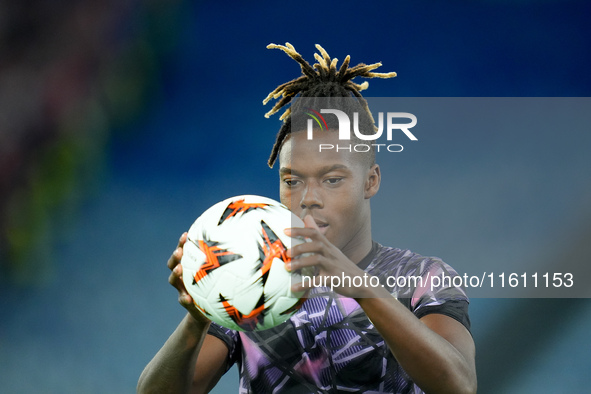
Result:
[[311, 198]]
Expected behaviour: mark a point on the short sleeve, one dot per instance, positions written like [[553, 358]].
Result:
[[230, 338], [441, 292], [424, 285], [456, 309]]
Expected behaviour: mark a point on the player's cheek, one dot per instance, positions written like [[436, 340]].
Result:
[[285, 196]]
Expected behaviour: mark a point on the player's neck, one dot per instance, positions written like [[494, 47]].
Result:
[[360, 246]]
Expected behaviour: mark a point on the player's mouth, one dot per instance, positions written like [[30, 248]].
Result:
[[322, 226]]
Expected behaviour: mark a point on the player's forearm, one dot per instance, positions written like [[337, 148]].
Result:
[[430, 360], [172, 368]]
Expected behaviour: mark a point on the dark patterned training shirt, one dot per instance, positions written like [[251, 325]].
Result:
[[330, 345]]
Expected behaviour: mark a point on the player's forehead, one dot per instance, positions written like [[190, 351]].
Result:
[[299, 154]]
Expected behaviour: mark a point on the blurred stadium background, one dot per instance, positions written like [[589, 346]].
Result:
[[121, 121]]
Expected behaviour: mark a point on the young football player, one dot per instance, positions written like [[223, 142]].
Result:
[[354, 339]]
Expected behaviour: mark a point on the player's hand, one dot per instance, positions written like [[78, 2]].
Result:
[[329, 263], [176, 280]]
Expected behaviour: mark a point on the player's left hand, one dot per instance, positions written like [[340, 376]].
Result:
[[331, 267]]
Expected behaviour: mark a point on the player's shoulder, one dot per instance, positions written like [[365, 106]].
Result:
[[410, 275], [403, 261]]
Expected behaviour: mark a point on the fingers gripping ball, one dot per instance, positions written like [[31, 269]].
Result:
[[234, 263]]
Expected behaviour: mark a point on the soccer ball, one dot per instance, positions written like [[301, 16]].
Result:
[[234, 263]]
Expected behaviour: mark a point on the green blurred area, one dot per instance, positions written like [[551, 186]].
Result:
[[72, 77]]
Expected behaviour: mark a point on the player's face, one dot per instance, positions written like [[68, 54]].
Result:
[[333, 187]]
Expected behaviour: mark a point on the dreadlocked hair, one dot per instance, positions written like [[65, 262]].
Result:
[[321, 80]]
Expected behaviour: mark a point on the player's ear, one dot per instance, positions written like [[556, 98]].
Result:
[[372, 181]]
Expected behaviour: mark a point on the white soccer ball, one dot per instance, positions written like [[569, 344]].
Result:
[[234, 263]]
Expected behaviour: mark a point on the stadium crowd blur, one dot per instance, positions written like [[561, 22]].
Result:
[[72, 74]]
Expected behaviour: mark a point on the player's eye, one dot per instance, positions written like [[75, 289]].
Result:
[[291, 182], [333, 180]]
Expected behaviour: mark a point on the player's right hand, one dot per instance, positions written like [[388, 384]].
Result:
[[176, 280]]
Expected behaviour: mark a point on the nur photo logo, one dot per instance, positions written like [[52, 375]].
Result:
[[392, 125]]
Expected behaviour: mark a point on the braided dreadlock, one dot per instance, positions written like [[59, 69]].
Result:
[[320, 80]]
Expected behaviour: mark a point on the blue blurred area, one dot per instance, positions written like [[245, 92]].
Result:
[[105, 307]]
